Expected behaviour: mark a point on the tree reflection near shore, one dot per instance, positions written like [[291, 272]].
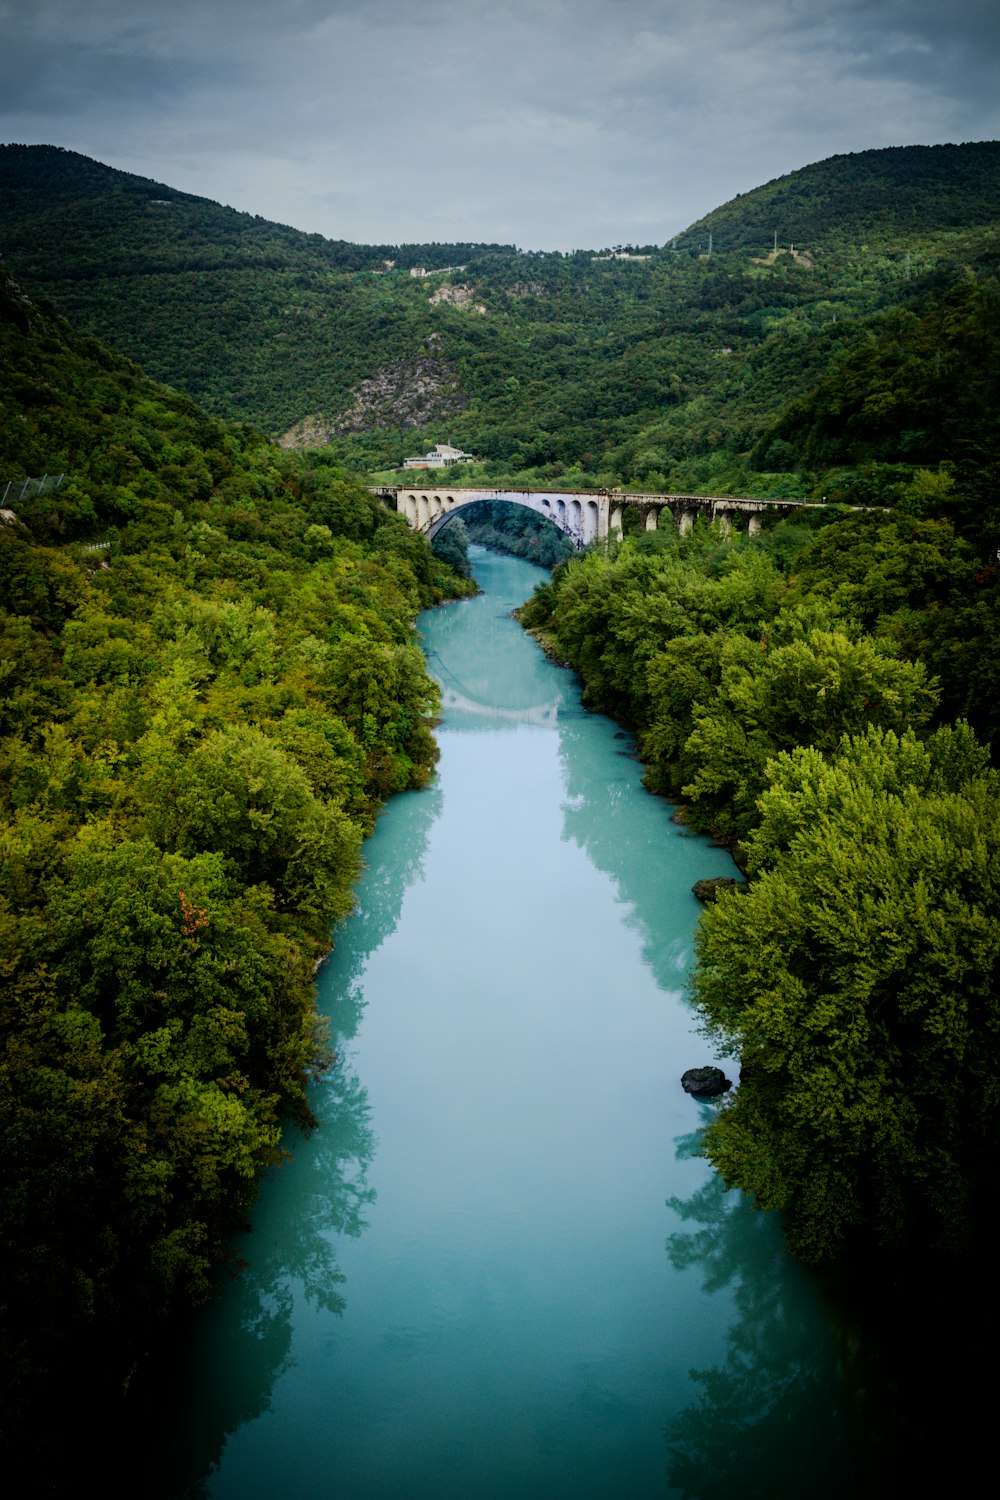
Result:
[[226, 1360], [237, 1349], [793, 1409]]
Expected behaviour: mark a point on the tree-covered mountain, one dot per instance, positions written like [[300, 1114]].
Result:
[[862, 200], [662, 370], [210, 681]]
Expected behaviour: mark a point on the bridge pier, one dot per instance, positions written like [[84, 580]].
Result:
[[592, 521], [753, 524], [685, 520]]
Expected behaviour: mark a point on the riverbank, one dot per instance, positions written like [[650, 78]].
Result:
[[466, 1262]]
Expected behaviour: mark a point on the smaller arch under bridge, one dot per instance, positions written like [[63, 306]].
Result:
[[583, 515]]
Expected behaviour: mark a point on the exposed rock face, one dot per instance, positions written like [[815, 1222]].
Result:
[[308, 432], [708, 890], [707, 1083], [406, 393], [459, 294]]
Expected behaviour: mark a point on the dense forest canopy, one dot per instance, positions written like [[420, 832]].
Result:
[[782, 689], [662, 371], [211, 683], [864, 198]]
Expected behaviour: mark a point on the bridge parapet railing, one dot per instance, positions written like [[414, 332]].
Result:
[[749, 503], [616, 497]]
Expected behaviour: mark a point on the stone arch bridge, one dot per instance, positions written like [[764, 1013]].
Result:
[[583, 515]]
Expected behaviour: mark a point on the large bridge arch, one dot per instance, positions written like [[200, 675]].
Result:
[[582, 517]]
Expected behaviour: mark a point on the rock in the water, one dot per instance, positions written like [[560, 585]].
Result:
[[707, 890], [705, 1081]]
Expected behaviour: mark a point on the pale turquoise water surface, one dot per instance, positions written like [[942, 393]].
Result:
[[497, 1269]]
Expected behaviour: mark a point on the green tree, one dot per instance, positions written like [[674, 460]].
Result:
[[858, 981], [238, 793], [451, 545], [808, 692]]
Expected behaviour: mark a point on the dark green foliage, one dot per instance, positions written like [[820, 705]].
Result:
[[210, 679], [924, 386], [451, 545], [858, 980], [660, 373], [513, 529], [210, 682], [865, 198], [782, 686]]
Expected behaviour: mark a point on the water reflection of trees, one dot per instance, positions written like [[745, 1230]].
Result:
[[395, 860], [792, 1410], [221, 1373], [491, 674], [628, 838]]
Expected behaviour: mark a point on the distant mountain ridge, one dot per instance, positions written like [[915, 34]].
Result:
[[864, 195], [36, 179], [662, 372], [945, 186]]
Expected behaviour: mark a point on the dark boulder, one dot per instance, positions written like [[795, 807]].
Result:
[[706, 1082], [707, 890]]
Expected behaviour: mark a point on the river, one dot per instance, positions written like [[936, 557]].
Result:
[[499, 1267]]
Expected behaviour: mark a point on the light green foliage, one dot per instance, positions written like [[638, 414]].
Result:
[[208, 682], [808, 692], [384, 695], [676, 638], [238, 793], [328, 753], [803, 784], [858, 982], [685, 673], [201, 716], [102, 647], [615, 615], [217, 636]]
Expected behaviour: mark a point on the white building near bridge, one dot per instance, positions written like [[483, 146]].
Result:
[[440, 456]]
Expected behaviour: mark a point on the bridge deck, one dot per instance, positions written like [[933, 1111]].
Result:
[[616, 497], [584, 516]]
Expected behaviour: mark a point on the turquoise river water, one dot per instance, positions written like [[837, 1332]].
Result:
[[499, 1268]]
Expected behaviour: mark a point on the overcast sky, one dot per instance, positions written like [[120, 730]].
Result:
[[552, 124]]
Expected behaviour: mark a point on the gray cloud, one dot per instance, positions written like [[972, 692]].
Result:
[[558, 123]]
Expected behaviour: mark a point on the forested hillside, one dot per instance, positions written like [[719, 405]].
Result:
[[661, 372], [797, 693], [823, 700], [210, 685], [866, 200]]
